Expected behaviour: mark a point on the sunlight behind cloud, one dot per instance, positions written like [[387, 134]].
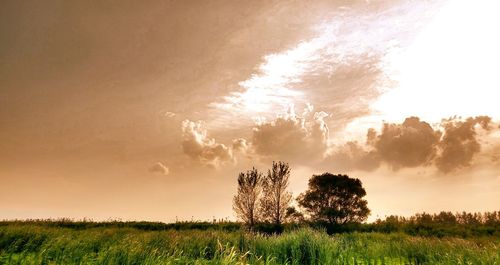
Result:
[[450, 69], [271, 88], [326, 66]]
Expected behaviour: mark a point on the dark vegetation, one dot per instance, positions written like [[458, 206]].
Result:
[[335, 200], [264, 204], [444, 224], [143, 225], [336, 204]]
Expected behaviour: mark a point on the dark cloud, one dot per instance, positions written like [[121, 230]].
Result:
[[414, 143], [410, 144], [459, 143]]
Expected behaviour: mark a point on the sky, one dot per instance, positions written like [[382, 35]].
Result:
[[120, 110]]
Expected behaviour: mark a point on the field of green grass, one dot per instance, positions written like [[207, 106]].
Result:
[[37, 244]]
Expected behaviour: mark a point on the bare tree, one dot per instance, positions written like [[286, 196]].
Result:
[[246, 201], [276, 199]]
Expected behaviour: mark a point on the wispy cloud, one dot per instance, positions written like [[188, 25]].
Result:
[[342, 64]]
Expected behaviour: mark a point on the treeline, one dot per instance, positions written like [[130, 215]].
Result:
[[140, 225], [442, 224]]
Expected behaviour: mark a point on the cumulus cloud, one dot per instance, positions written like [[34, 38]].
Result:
[[414, 143], [304, 138], [159, 168], [241, 145], [292, 136], [410, 144], [459, 143], [353, 156], [197, 145]]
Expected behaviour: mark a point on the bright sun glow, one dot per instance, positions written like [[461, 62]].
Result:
[[282, 78], [450, 69], [272, 88]]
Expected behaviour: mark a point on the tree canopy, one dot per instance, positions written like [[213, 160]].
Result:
[[335, 199]]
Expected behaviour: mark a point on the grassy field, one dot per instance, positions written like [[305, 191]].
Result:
[[35, 244]]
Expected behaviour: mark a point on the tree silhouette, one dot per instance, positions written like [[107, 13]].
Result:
[[293, 215], [246, 201], [276, 199], [336, 199]]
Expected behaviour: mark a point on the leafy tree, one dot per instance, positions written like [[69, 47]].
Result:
[[276, 199], [246, 201], [294, 216], [445, 218], [336, 199]]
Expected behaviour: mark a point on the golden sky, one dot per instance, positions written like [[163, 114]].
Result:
[[147, 111]]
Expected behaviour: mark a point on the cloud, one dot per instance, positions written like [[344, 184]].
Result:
[[159, 168], [197, 145], [340, 65], [169, 114], [459, 143], [241, 145], [304, 139], [292, 137], [410, 144], [414, 143], [352, 156], [495, 154]]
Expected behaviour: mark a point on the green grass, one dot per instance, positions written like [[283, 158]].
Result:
[[33, 244]]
